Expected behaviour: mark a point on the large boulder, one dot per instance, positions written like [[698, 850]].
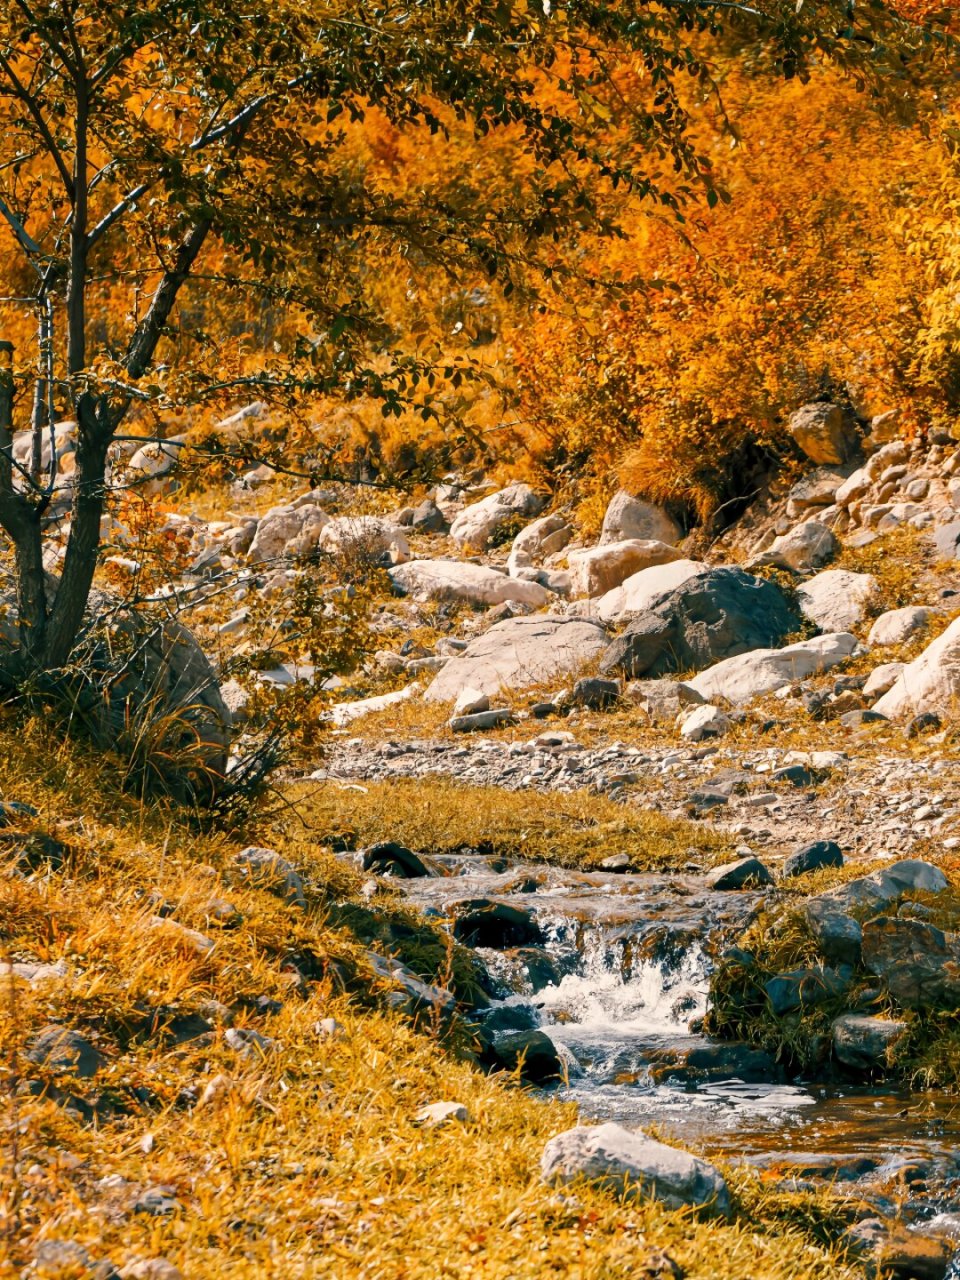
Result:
[[836, 599], [865, 1042], [597, 570], [897, 625], [642, 590], [806, 547], [634, 1166], [750, 675], [427, 580], [821, 431], [628, 517], [714, 615], [518, 653], [477, 524], [361, 535], [929, 683], [281, 531], [918, 963]]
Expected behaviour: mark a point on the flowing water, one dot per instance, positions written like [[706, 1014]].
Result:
[[628, 972]]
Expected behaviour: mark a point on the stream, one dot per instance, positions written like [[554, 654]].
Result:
[[617, 976]]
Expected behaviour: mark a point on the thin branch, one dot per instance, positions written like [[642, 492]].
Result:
[[26, 241], [33, 106]]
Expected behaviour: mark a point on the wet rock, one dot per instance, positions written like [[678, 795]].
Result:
[[898, 625], [823, 434], [453, 580], [705, 722], [267, 870], [597, 570], [714, 615], [533, 1053], [813, 857], [929, 684], [863, 1042], [745, 873], [519, 653], [918, 963], [481, 923], [438, 1114], [477, 524], [836, 599], [715, 1062], [634, 1166], [389, 858], [61, 1049], [511, 1017], [891, 1250], [806, 988], [838, 935], [627, 517], [481, 721], [750, 675]]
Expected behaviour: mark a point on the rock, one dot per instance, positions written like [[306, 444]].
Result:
[[745, 873], [838, 936], [750, 675], [894, 1252], [477, 524], [186, 939], [287, 530], [641, 591], [410, 995], [805, 989], [428, 518], [595, 694], [628, 517], [389, 858], [267, 870], [897, 625], [882, 678], [806, 547], [479, 922], [471, 702], [946, 539], [344, 713], [249, 1043], [918, 963], [518, 653], [481, 721], [363, 536], [855, 487], [836, 599], [820, 431], [715, 614], [437, 1114], [818, 489], [597, 570], [705, 722], [544, 537], [449, 580], [158, 1202], [634, 1166], [864, 1043], [151, 466], [532, 1053], [662, 700], [812, 857], [64, 1260], [63, 1050], [931, 683]]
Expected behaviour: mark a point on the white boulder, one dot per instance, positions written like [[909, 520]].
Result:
[[643, 589], [750, 675], [898, 625], [597, 570], [882, 678], [806, 547], [836, 599], [370, 535], [426, 580], [628, 517], [544, 537], [519, 653], [707, 721], [477, 524], [929, 683]]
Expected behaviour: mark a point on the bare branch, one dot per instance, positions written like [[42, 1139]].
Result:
[[32, 105]]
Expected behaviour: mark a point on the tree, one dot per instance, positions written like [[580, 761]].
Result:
[[150, 146]]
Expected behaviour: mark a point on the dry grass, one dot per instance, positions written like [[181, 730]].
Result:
[[305, 1160]]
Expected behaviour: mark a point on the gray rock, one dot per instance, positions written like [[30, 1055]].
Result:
[[714, 615], [838, 935], [946, 539], [596, 570], [595, 694], [532, 1053], [428, 518], [803, 549], [705, 722], [437, 1114], [812, 857], [918, 963], [61, 1049], [628, 517], [745, 873], [750, 675], [645, 589], [249, 1043], [452, 580], [882, 678], [480, 721], [836, 599], [635, 1166], [805, 989], [518, 653], [864, 1042]]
